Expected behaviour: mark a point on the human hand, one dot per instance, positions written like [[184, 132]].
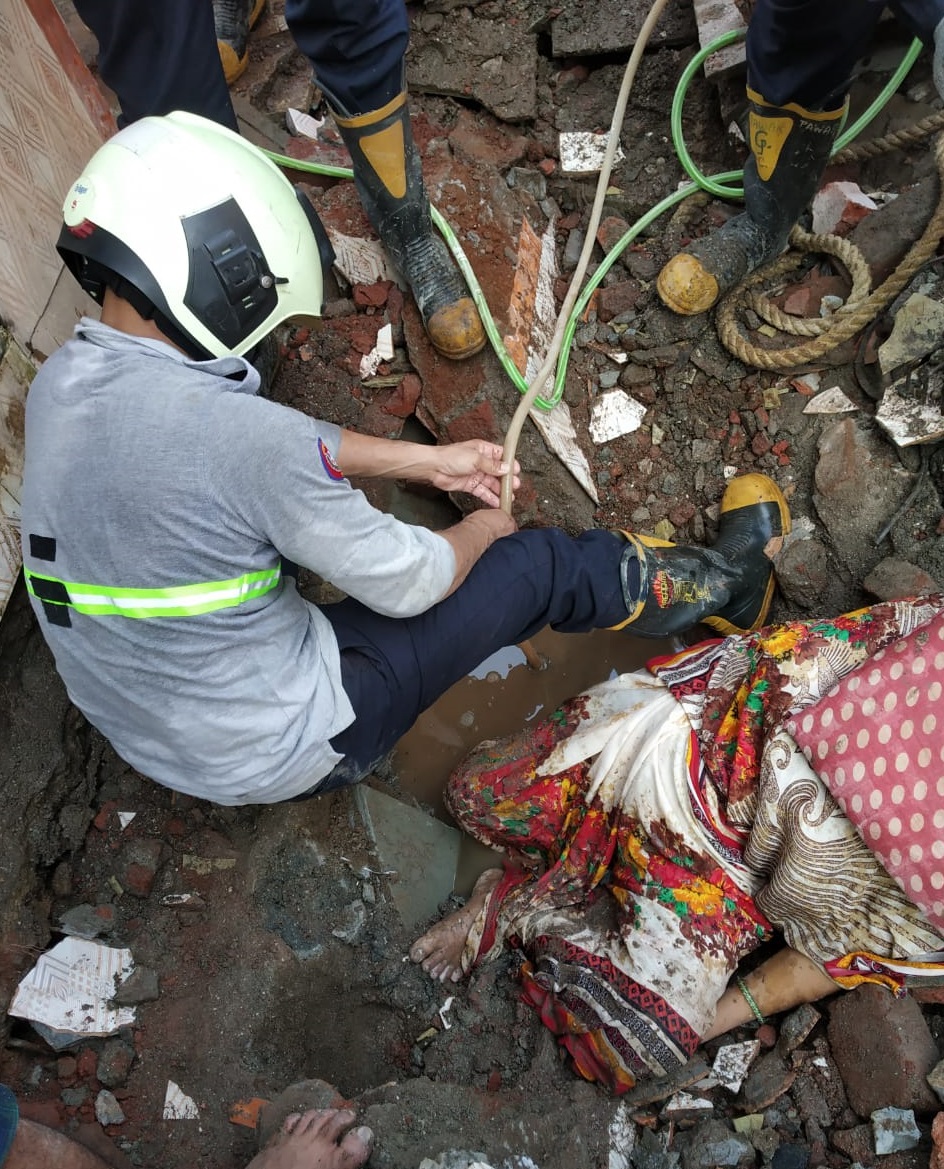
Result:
[[474, 467]]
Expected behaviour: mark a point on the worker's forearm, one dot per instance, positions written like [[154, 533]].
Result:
[[471, 537], [783, 981], [383, 458]]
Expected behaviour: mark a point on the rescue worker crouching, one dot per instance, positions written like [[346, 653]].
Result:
[[162, 494]]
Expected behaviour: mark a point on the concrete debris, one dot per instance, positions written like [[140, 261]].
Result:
[[622, 1139], [838, 207], [302, 124], [107, 1109], [797, 1026], [87, 921], [360, 261], [715, 18], [582, 152], [612, 26], [381, 352], [613, 414], [733, 1062], [178, 1105], [936, 1079], [909, 421], [894, 1130], [420, 852], [883, 1049], [70, 987], [892, 578], [493, 62], [685, 1106], [831, 401], [917, 332]]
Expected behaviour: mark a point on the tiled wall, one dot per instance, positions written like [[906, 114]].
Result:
[[52, 118]]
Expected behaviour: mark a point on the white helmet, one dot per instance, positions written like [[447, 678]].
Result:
[[199, 231]]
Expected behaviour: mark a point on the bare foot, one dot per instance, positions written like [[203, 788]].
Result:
[[439, 950], [320, 1139]]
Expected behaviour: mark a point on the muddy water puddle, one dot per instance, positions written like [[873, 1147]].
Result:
[[501, 695]]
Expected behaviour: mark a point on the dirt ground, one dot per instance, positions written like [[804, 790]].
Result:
[[285, 962]]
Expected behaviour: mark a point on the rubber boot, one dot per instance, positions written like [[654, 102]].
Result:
[[234, 19], [389, 180], [668, 588], [790, 147]]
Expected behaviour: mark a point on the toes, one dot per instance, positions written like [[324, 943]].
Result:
[[419, 950], [338, 1122], [357, 1145]]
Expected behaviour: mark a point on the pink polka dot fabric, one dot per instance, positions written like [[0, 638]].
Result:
[[877, 741]]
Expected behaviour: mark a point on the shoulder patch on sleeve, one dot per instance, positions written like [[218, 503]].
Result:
[[327, 461]]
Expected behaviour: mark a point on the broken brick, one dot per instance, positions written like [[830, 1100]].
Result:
[[402, 402]]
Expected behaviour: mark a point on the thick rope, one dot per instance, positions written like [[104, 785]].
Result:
[[855, 314]]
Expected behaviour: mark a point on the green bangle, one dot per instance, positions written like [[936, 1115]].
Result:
[[750, 1000]]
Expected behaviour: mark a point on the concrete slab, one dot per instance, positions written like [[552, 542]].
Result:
[[612, 26], [417, 853], [462, 55]]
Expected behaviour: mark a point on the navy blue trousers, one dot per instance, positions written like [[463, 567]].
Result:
[[394, 668], [161, 55], [804, 50]]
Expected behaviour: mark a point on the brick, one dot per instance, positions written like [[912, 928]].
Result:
[[476, 422], [884, 1051], [402, 402], [617, 299], [137, 866]]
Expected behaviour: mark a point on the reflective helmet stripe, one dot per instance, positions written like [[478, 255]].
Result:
[[178, 601]]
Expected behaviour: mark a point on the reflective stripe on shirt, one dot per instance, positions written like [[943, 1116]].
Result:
[[178, 601]]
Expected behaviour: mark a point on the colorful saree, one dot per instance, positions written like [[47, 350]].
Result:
[[662, 825]]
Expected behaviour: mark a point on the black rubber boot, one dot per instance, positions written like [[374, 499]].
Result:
[[389, 180], [234, 19], [668, 588], [790, 147]]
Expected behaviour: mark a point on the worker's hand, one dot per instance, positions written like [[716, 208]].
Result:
[[474, 467]]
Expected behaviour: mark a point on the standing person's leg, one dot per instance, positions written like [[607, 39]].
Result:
[[159, 56], [356, 48], [800, 55], [394, 668]]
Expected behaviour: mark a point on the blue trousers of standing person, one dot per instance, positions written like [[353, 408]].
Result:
[[394, 668], [161, 55], [804, 51]]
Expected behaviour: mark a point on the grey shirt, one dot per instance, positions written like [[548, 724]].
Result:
[[149, 470]]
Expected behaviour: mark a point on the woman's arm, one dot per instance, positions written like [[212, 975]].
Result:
[[783, 981]]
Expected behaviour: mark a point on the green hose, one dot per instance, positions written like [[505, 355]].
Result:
[[716, 185]]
